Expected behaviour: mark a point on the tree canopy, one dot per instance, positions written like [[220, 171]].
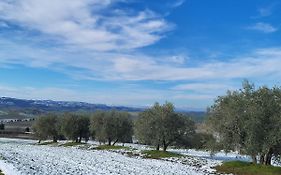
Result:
[[160, 125], [75, 127], [249, 120], [46, 127], [112, 127]]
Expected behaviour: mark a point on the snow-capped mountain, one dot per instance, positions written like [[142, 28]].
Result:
[[49, 105]]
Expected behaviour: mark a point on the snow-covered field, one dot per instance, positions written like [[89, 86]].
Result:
[[23, 157]]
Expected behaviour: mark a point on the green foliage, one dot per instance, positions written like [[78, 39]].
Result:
[[156, 154], [245, 168], [249, 121], [201, 140], [46, 127], [112, 126], [160, 125], [75, 127]]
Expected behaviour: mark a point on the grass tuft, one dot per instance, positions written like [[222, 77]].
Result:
[[110, 147], [154, 154], [48, 143], [246, 168], [72, 144]]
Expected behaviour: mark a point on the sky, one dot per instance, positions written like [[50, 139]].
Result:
[[137, 52]]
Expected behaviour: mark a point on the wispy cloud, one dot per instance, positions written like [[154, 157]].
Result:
[[177, 3], [97, 40], [96, 46], [86, 23], [202, 87], [127, 96], [263, 27], [263, 12], [136, 66], [266, 10]]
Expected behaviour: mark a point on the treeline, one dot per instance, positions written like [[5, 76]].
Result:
[[159, 126], [249, 121], [110, 126]]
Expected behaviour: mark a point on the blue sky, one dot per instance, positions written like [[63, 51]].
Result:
[[136, 52]]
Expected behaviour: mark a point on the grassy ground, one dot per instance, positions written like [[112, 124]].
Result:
[[48, 143], [72, 144], [245, 168], [1, 173], [154, 154], [109, 147]]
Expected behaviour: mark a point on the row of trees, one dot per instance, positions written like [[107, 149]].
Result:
[[159, 125], [248, 120], [103, 126]]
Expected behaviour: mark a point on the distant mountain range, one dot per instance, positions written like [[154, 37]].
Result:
[[50, 105], [15, 108]]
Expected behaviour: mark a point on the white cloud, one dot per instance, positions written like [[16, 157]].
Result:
[[177, 59], [83, 23], [126, 96], [135, 66], [202, 87], [95, 46], [177, 3], [195, 97], [263, 27]]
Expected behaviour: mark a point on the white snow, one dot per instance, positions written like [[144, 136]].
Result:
[[8, 169], [26, 158]]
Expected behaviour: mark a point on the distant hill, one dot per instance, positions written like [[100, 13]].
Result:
[[22, 108]]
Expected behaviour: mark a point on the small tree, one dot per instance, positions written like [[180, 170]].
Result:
[[46, 127], [161, 125], [112, 127], [75, 127], [83, 128]]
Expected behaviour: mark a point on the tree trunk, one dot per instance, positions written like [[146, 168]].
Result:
[[80, 139], [165, 146], [109, 142], [254, 158], [39, 141], [261, 158], [158, 147], [115, 142], [55, 139], [268, 157]]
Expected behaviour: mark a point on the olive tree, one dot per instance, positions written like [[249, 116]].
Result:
[[248, 120], [75, 127], [112, 127], [46, 127], [160, 125]]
